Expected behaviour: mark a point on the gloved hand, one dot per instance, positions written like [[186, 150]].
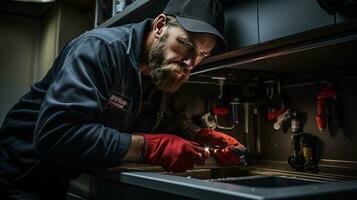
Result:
[[173, 153], [229, 155], [233, 152], [212, 137]]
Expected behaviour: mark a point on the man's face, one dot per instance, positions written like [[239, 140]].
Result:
[[175, 54]]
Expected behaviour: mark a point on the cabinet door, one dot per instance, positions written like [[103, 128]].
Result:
[[280, 18], [241, 28]]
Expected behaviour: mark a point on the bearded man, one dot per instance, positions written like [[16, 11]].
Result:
[[102, 100]]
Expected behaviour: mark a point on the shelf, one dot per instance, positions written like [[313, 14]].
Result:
[[335, 50], [136, 12]]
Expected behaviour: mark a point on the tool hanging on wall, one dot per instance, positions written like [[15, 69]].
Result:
[[222, 112], [285, 116], [302, 157], [276, 104], [208, 121], [327, 108], [296, 159], [212, 118], [273, 114]]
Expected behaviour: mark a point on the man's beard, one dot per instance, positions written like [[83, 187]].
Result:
[[164, 74]]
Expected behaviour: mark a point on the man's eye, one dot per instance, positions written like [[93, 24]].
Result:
[[188, 45], [204, 54]]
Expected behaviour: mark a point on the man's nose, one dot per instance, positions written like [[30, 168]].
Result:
[[189, 62]]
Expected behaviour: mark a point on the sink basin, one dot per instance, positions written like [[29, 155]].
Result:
[[256, 177], [267, 181]]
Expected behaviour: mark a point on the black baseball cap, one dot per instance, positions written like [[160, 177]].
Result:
[[199, 16]]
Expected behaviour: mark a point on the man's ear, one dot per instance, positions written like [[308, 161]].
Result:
[[159, 25]]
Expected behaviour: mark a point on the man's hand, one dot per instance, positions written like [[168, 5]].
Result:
[[229, 155], [173, 153], [212, 138], [233, 152]]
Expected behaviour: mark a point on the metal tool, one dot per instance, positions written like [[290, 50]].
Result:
[[208, 120], [242, 151], [222, 111], [281, 118]]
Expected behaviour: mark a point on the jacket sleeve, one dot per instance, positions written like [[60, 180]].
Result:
[[67, 130]]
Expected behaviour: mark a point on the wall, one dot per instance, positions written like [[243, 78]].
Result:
[[62, 23], [338, 144], [74, 21], [18, 58], [49, 39], [30, 45], [336, 147]]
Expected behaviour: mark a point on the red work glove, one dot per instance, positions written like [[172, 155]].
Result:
[[173, 153], [232, 152], [212, 137], [229, 155]]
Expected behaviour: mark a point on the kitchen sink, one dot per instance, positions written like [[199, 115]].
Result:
[[267, 181], [251, 177], [240, 182]]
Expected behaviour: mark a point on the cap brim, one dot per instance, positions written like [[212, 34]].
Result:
[[198, 26]]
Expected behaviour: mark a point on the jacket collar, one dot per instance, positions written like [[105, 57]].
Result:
[[136, 40]]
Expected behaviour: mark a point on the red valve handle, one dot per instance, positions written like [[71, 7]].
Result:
[[220, 111]]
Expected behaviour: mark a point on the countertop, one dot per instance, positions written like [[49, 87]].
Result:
[[152, 177]]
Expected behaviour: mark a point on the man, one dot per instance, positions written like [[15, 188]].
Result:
[[101, 101]]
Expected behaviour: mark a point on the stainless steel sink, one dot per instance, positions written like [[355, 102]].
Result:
[[241, 182], [267, 181], [254, 177]]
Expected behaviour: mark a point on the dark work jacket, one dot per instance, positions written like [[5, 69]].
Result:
[[81, 114]]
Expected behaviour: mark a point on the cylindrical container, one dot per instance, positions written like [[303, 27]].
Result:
[[307, 148]]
